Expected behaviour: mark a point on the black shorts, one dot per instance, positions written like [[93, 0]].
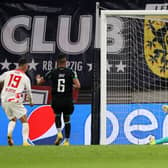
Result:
[[62, 105]]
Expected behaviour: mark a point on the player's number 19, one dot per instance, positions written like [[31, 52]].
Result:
[[14, 81]]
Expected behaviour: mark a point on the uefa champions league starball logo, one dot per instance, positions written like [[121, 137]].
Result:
[[156, 44]]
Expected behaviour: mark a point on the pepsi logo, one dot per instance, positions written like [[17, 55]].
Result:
[[42, 125]]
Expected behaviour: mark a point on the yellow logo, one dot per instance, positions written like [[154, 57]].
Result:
[[156, 44]]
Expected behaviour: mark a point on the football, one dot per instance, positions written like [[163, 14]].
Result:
[[165, 108]]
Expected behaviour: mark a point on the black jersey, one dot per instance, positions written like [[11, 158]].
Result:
[[61, 81]]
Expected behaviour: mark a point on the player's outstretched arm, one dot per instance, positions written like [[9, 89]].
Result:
[[76, 83], [31, 102], [29, 92]]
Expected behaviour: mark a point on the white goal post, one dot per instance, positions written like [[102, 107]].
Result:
[[103, 46]]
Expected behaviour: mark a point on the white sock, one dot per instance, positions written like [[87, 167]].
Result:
[[11, 126], [25, 132], [58, 130]]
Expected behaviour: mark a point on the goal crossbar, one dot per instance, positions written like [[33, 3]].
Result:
[[134, 12]]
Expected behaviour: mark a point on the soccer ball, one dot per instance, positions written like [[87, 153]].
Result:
[[165, 108]]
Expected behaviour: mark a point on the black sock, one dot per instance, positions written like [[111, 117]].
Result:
[[58, 121], [67, 130]]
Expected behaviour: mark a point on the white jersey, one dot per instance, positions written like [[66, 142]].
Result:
[[16, 82]]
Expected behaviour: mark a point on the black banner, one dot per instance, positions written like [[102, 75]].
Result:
[[41, 32]]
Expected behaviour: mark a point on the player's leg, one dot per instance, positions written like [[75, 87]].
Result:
[[12, 121], [20, 113], [11, 126], [25, 130], [58, 123], [67, 121], [153, 141], [162, 140]]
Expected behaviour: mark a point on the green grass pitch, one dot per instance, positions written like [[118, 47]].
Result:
[[95, 156]]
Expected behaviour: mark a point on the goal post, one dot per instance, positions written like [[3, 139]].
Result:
[[103, 76], [103, 45]]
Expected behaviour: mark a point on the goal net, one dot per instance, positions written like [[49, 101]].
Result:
[[134, 73]]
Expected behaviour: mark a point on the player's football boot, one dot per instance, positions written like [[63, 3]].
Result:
[[58, 139], [152, 140], [10, 141], [66, 143], [26, 144]]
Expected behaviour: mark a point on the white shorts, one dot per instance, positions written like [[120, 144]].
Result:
[[13, 110]]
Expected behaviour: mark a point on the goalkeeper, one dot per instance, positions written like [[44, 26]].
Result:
[[152, 140]]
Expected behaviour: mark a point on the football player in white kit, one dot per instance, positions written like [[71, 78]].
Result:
[[15, 82]]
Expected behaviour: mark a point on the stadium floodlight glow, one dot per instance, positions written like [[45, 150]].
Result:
[[103, 36]]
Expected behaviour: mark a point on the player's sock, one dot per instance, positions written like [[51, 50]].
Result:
[[67, 129], [67, 139], [58, 122], [11, 126], [59, 130], [25, 132], [162, 140]]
